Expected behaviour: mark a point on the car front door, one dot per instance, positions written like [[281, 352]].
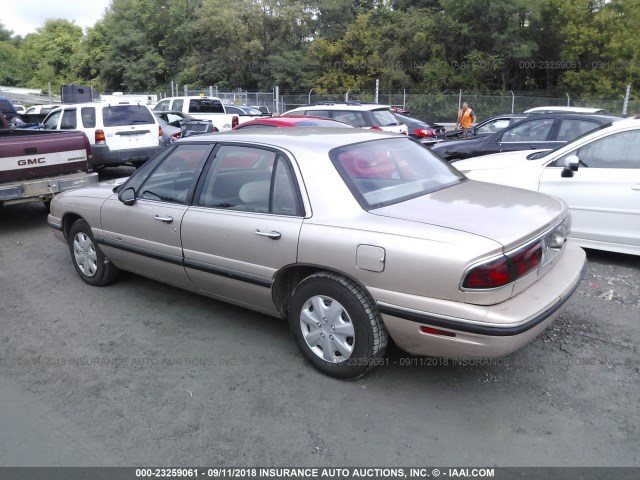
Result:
[[604, 194], [244, 225], [145, 237]]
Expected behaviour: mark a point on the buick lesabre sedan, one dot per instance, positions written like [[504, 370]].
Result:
[[353, 236]]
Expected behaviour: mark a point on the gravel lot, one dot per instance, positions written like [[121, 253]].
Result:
[[140, 373]]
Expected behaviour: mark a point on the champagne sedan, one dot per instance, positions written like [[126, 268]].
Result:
[[353, 236]]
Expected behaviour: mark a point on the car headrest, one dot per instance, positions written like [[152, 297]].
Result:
[[255, 192]]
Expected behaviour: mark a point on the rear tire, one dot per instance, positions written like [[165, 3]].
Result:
[[337, 326], [89, 261]]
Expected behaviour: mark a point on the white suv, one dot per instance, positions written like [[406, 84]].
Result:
[[119, 134], [358, 114]]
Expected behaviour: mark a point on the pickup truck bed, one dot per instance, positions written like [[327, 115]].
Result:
[[34, 165]]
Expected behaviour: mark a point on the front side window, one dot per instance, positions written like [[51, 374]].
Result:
[[163, 105], [494, 126], [52, 120], [384, 172], [251, 180], [176, 175], [618, 150], [178, 104], [532, 131]]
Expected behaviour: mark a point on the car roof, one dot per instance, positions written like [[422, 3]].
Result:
[[308, 139], [102, 104], [565, 109], [291, 121], [343, 106], [191, 97]]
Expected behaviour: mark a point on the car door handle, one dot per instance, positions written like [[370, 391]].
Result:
[[533, 147], [164, 219], [271, 235], [636, 188]]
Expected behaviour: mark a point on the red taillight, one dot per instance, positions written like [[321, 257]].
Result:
[[100, 137], [526, 260], [489, 275], [504, 270], [177, 135], [159, 132], [375, 128], [234, 121], [424, 132], [436, 331]]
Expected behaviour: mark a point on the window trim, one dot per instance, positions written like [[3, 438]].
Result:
[[294, 175]]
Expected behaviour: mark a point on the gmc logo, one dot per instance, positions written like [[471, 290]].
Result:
[[31, 161]]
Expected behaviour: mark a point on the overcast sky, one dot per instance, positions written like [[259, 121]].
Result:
[[25, 16]]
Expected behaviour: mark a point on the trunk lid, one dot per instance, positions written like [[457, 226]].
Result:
[[507, 215]]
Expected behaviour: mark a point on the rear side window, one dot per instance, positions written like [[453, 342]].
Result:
[[121, 115], [177, 104], [205, 105], [571, 128], [88, 115], [355, 118]]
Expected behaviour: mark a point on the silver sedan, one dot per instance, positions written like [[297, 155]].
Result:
[[353, 236]]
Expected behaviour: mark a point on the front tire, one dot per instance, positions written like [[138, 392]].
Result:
[[337, 326], [89, 261]]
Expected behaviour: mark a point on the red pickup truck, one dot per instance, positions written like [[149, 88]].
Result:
[[36, 164]]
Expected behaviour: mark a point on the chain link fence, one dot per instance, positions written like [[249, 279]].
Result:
[[429, 106]]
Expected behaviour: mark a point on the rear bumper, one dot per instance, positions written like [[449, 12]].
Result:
[[484, 331], [103, 156], [45, 188]]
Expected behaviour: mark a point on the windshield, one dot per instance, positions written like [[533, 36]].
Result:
[[384, 172], [537, 155]]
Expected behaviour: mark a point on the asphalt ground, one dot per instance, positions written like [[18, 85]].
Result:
[[139, 373]]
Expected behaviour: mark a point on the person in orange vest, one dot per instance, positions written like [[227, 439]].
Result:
[[466, 118]]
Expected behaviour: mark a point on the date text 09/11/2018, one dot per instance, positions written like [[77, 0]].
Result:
[[576, 64]]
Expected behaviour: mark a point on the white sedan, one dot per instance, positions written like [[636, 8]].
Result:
[[597, 174]]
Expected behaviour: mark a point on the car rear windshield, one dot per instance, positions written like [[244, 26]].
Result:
[[388, 171], [205, 105], [385, 118], [120, 115]]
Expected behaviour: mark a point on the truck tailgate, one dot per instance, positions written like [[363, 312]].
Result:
[[26, 154]]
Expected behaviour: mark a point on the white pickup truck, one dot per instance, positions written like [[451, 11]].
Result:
[[201, 108]]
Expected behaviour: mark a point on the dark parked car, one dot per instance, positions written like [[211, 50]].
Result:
[[426, 133], [490, 125], [186, 123], [537, 132]]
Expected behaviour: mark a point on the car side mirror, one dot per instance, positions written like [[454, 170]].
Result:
[[127, 196], [571, 164]]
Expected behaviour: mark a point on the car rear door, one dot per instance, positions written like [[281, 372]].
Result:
[[604, 194], [244, 225], [145, 237]]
